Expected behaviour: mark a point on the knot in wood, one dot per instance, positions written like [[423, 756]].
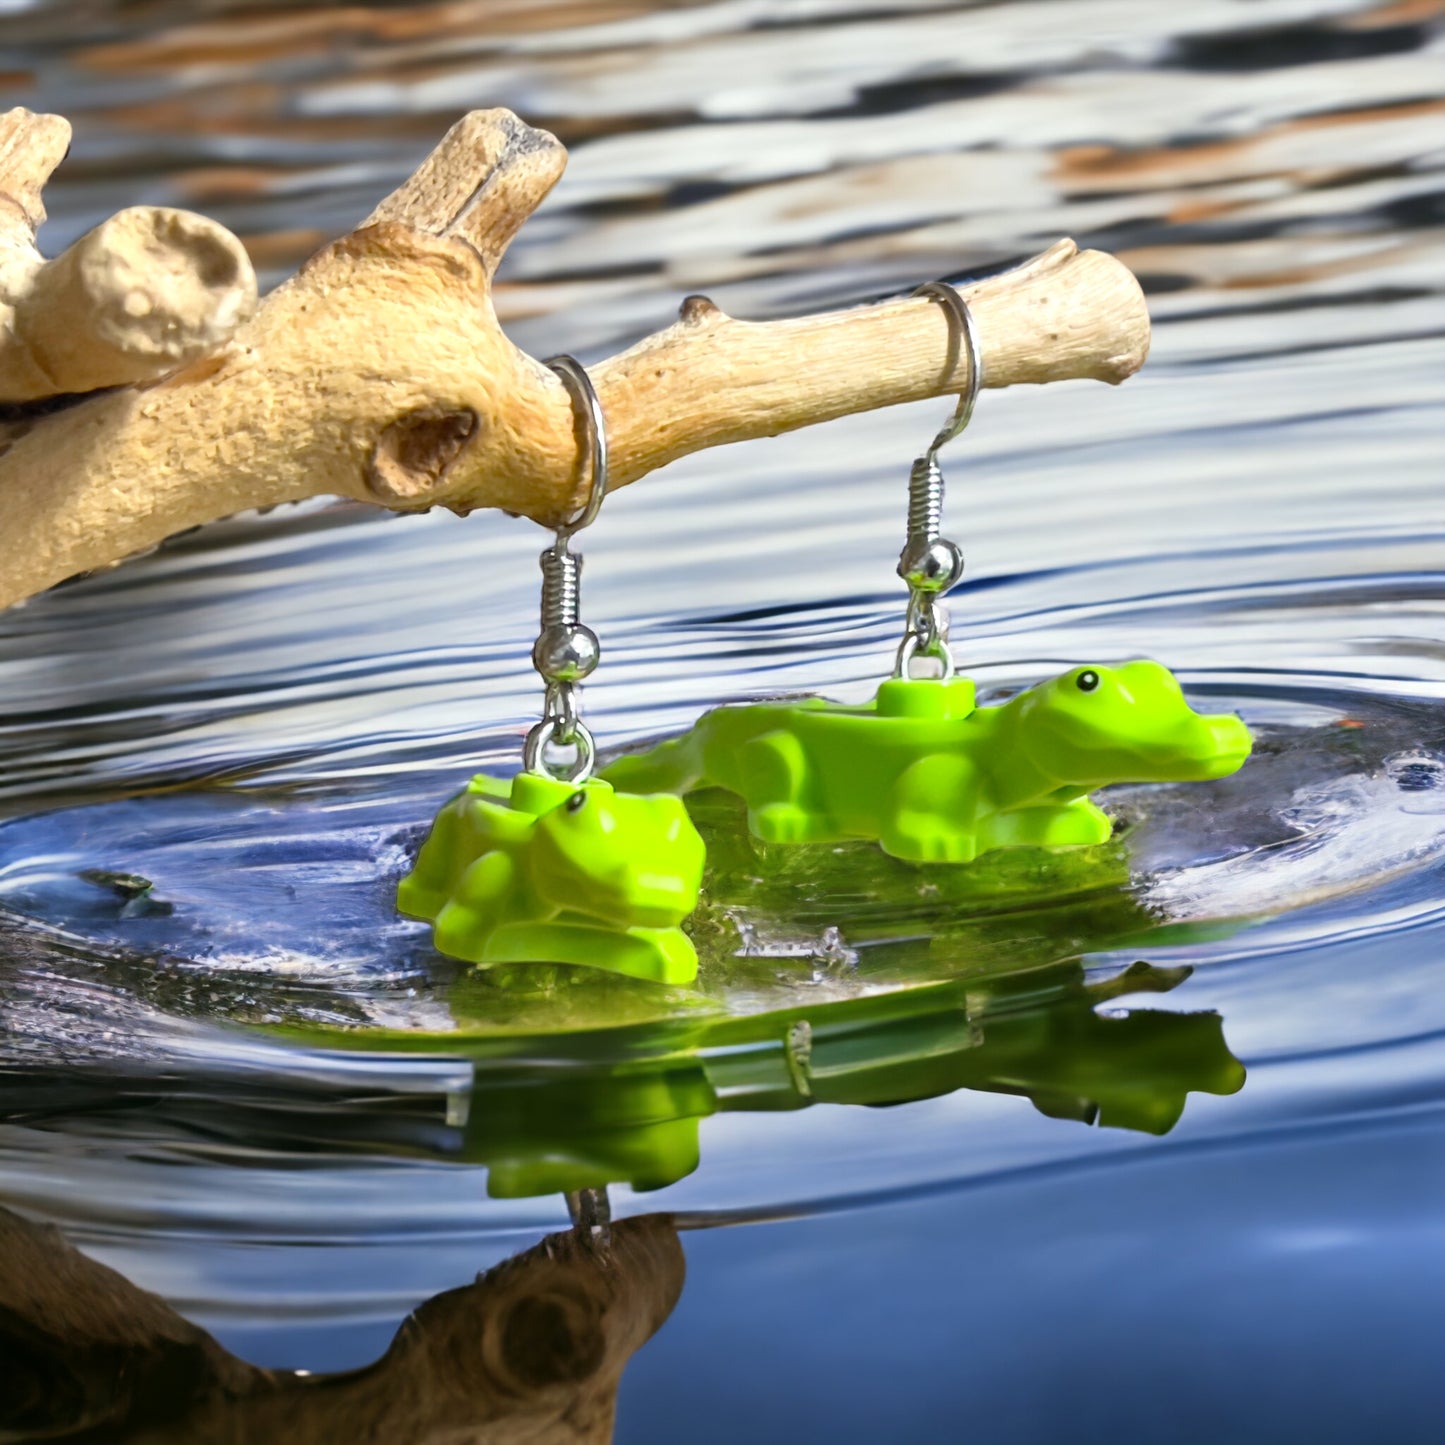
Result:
[[413, 453]]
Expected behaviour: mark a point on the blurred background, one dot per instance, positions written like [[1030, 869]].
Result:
[[252, 1090]]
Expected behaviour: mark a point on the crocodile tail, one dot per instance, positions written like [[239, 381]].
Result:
[[671, 767]]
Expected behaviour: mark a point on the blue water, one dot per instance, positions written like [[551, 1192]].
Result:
[[255, 1092], [1284, 1285]]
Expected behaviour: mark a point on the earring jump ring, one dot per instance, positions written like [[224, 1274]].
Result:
[[948, 296], [580, 389], [549, 731]]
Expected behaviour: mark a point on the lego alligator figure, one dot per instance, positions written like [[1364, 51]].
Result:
[[932, 777], [557, 872]]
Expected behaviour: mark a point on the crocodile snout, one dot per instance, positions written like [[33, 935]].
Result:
[[660, 900], [1226, 744]]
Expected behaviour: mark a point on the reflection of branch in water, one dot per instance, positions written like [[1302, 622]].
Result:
[[532, 1351]]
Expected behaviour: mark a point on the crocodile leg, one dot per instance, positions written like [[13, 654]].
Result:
[[661, 955], [1059, 825], [465, 925], [775, 776], [930, 816]]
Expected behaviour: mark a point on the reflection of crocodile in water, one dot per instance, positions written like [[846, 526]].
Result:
[[1036, 1034], [624, 1106], [934, 778]]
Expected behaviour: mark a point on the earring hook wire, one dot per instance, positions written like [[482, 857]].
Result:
[[566, 651], [584, 398], [964, 332], [929, 563]]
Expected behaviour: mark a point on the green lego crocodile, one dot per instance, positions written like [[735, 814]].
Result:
[[934, 778], [544, 871]]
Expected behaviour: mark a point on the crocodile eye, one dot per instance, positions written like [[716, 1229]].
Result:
[[1087, 681], [576, 801]]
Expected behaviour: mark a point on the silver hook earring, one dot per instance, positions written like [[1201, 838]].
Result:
[[930, 564], [566, 650]]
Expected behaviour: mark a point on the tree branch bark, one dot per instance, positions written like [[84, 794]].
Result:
[[145, 292], [379, 372]]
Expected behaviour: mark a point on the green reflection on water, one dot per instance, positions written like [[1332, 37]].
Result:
[[1038, 1034]]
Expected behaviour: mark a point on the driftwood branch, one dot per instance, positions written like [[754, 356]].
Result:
[[147, 291], [379, 372]]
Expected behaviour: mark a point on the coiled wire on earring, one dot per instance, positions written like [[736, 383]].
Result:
[[566, 649], [930, 563]]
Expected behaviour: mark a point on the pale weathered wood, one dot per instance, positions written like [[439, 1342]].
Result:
[[31, 146], [147, 291], [379, 372]]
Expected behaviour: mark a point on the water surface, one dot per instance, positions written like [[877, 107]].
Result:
[[1163, 1147]]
